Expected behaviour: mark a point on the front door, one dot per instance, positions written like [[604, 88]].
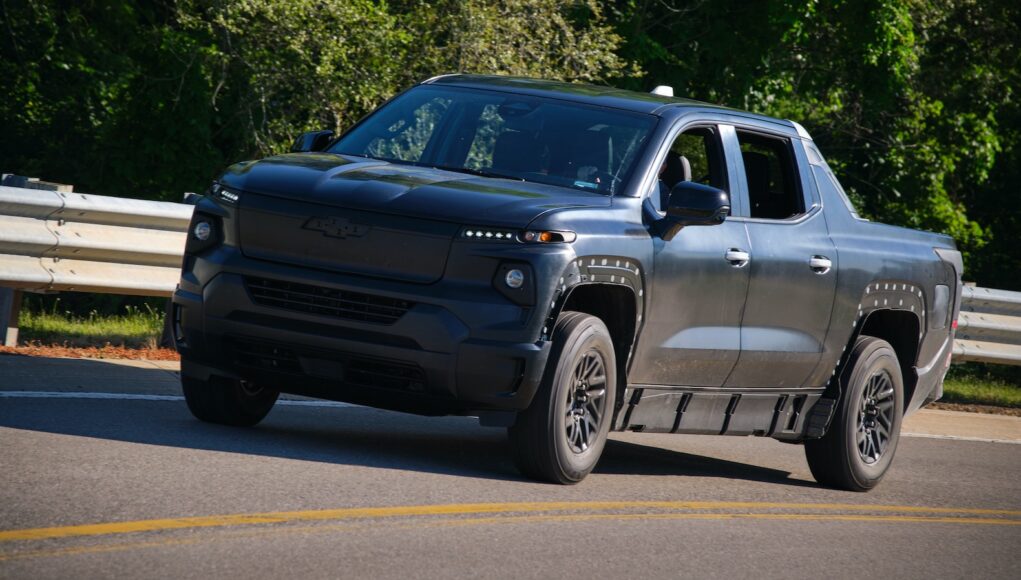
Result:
[[692, 331]]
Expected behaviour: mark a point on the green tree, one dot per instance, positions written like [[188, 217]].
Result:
[[905, 98], [567, 40], [914, 103], [151, 99], [283, 67]]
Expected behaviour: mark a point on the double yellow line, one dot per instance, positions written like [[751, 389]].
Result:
[[582, 510]]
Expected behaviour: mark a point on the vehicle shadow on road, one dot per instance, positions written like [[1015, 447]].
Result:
[[356, 436], [625, 458]]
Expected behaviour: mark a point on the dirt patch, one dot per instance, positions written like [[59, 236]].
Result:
[[972, 408], [105, 351]]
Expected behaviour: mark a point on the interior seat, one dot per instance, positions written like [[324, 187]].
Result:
[[765, 203]]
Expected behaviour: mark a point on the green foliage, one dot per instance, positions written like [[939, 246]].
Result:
[[284, 67], [554, 39], [152, 99], [914, 102]]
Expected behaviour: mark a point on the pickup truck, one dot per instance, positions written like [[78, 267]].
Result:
[[564, 260]]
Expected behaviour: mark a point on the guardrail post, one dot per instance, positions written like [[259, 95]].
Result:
[[10, 308]]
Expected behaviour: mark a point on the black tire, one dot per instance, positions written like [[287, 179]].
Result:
[[561, 435], [227, 401], [859, 446]]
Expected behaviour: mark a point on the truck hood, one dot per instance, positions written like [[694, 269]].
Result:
[[422, 192]]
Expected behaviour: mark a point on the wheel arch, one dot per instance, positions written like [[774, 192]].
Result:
[[902, 330], [618, 306], [894, 311], [891, 310]]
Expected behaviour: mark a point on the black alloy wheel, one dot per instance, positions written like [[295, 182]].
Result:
[[561, 435], [875, 417], [856, 451], [228, 401], [586, 402]]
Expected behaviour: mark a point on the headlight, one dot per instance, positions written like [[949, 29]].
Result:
[[514, 278], [516, 281], [222, 193], [485, 234], [548, 237], [202, 231]]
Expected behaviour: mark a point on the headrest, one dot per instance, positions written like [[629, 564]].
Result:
[[678, 169]]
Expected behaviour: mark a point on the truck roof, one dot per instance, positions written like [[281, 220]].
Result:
[[595, 95]]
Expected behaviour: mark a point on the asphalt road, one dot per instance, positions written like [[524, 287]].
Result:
[[104, 473]]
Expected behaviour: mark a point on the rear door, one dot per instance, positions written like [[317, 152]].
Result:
[[793, 266]]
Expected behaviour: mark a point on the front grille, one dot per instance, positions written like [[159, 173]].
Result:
[[260, 355], [384, 374], [326, 301], [351, 369]]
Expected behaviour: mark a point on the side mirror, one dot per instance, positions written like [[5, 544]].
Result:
[[312, 141], [694, 204]]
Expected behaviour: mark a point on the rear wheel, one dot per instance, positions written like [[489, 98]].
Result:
[[560, 437], [227, 401], [858, 448]]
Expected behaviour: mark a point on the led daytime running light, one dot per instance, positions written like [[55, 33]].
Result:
[[487, 234], [530, 236]]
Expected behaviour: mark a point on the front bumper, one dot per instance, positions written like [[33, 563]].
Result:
[[434, 359]]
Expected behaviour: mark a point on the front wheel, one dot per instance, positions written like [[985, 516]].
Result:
[[859, 446], [560, 437], [227, 401]]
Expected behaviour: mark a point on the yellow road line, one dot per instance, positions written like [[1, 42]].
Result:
[[720, 516], [182, 541], [509, 519], [218, 521]]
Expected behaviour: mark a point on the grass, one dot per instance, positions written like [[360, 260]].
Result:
[[135, 328], [982, 391], [983, 384]]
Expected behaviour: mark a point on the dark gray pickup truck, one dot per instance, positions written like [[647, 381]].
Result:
[[565, 260]]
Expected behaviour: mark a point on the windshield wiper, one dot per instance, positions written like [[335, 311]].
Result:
[[479, 172]]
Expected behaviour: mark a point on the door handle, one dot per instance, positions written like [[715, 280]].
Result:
[[820, 264], [737, 257]]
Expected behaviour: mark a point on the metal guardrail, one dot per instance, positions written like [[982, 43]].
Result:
[[989, 327], [58, 240], [53, 240]]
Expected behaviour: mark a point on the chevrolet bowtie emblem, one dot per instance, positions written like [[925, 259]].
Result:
[[336, 227]]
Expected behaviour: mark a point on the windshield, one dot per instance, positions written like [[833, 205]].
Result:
[[504, 135]]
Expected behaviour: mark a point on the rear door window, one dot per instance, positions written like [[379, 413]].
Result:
[[774, 188]]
